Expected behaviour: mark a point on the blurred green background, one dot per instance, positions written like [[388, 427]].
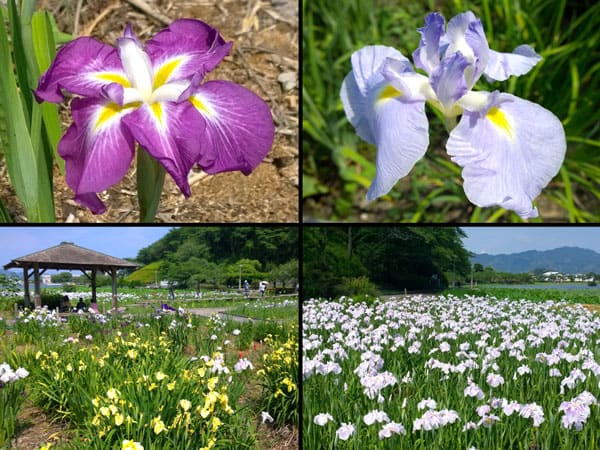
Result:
[[338, 166]]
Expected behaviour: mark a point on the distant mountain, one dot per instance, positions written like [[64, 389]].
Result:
[[564, 259]]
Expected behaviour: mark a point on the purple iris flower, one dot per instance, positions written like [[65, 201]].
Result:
[[153, 95], [509, 148]]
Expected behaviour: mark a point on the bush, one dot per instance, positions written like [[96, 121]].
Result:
[[52, 299], [69, 287], [356, 286]]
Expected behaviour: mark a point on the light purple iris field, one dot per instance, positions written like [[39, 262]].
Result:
[[509, 148], [487, 374], [153, 95]]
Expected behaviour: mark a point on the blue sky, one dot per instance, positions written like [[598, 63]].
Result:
[[120, 242], [497, 240]]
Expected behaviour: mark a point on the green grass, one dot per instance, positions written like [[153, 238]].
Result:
[[587, 296], [338, 166], [266, 310]]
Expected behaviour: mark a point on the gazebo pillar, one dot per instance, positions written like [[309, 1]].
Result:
[[26, 287], [94, 285], [36, 282], [113, 274]]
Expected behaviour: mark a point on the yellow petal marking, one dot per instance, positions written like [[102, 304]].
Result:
[[498, 118], [201, 106], [388, 92], [165, 72], [156, 109], [114, 78], [109, 110]]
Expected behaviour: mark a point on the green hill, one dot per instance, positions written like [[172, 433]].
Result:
[[146, 275]]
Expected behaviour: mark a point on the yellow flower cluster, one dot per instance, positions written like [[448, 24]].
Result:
[[282, 365], [110, 411], [150, 390], [131, 445]]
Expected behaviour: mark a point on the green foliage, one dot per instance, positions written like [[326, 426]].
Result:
[[491, 276], [68, 287], [224, 245], [394, 258], [286, 273], [62, 277], [267, 310], [356, 286], [30, 131], [338, 166], [279, 379], [51, 299], [191, 255], [11, 398], [148, 274], [585, 296]]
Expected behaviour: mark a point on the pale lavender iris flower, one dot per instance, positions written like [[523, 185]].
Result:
[[509, 148], [153, 95]]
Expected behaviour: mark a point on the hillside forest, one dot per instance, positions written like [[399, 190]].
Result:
[[347, 260], [192, 256]]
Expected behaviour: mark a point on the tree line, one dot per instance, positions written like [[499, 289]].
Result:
[[342, 260], [190, 256]]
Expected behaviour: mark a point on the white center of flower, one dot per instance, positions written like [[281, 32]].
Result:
[[148, 85]]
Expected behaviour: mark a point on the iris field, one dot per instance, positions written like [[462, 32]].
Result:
[[472, 372], [151, 379], [338, 166]]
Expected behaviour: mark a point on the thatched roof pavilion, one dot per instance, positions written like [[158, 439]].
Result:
[[68, 256]]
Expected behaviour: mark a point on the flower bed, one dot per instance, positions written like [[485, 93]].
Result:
[[165, 380], [447, 372]]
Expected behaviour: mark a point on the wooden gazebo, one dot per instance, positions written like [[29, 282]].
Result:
[[68, 256]]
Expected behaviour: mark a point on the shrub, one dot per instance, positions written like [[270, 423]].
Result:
[[357, 286]]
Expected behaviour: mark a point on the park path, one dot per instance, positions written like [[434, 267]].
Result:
[[221, 312]]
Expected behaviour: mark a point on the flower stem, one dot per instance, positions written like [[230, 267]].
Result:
[[150, 180], [450, 123]]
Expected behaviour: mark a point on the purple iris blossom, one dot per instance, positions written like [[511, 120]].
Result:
[[509, 148], [153, 95]]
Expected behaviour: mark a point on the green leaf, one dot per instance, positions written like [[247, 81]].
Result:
[[27, 170], [45, 51], [150, 180], [311, 186], [4, 214]]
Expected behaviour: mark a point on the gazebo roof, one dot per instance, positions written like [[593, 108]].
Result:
[[69, 256]]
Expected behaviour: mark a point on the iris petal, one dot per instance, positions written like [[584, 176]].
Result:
[[187, 47], [96, 148], [393, 120], [170, 133], [412, 85], [367, 64], [137, 65], [427, 55], [448, 80], [355, 106], [508, 152], [400, 131], [84, 67], [500, 66], [239, 127]]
